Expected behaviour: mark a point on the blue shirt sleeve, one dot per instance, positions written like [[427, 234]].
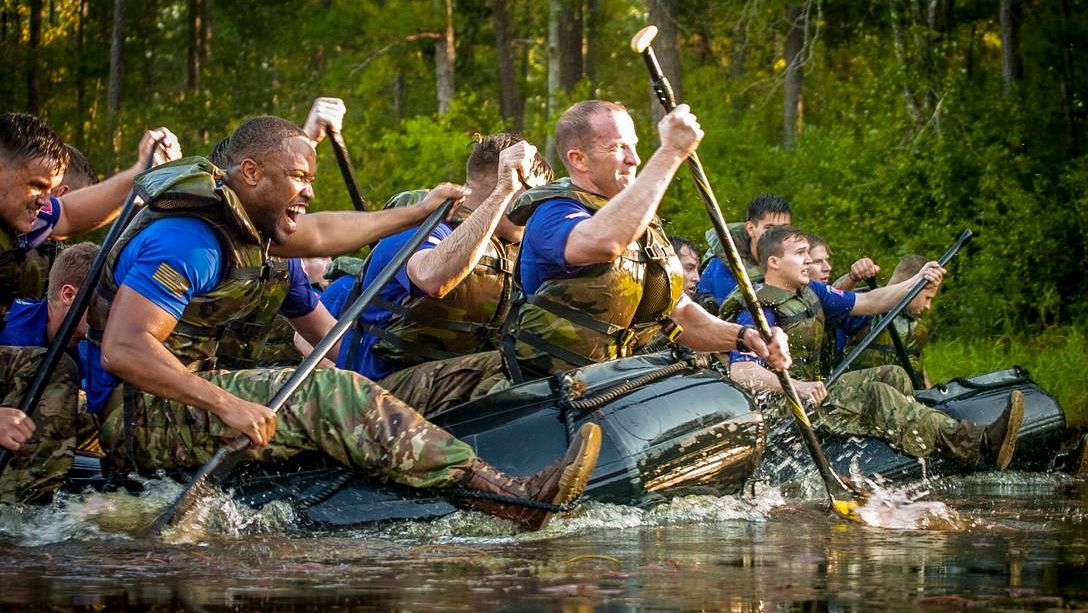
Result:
[[837, 303], [171, 261], [336, 294], [301, 298], [546, 234]]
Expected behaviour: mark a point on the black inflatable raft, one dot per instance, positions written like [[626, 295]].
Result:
[[670, 428]]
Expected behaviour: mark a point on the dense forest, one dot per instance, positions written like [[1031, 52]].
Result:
[[890, 125]]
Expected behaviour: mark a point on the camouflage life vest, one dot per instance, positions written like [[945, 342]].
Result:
[[249, 287], [609, 310], [265, 338], [801, 317], [912, 331], [23, 273]]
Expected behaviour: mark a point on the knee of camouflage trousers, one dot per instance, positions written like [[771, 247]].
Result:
[[40, 466], [432, 387]]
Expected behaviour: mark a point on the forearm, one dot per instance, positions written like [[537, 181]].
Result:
[[144, 362], [701, 330], [313, 327], [604, 237], [845, 282], [334, 233], [754, 377], [437, 271], [95, 205], [882, 299]]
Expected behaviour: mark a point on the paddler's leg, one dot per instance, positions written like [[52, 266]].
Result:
[[434, 386], [41, 465], [871, 402], [360, 425]]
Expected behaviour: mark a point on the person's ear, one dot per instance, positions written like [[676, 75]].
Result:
[[250, 171], [577, 159], [773, 262], [61, 189], [68, 294], [750, 228]]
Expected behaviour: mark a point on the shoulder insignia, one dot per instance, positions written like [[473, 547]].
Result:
[[171, 279]]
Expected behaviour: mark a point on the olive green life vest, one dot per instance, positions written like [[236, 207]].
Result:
[[609, 310], [801, 316], [23, 273], [881, 351], [248, 288]]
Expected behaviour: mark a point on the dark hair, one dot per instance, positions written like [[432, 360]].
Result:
[[80, 172], [768, 204], [908, 267], [260, 136], [770, 244], [71, 267], [484, 159], [679, 243], [572, 129], [218, 155], [815, 240], [24, 137]]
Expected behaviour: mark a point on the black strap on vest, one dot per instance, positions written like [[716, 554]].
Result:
[[355, 336], [574, 316]]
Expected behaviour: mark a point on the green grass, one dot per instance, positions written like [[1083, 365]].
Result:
[[1057, 359]]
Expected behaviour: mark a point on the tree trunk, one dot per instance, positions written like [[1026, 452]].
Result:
[[662, 14], [899, 44], [570, 45], [509, 96], [445, 57], [32, 64], [116, 78], [1012, 67], [555, 15], [595, 20], [792, 110], [81, 75], [196, 15]]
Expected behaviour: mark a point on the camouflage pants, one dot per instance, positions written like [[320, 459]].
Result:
[[879, 402], [432, 387], [42, 464], [337, 412]]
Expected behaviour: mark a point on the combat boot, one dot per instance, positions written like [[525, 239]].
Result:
[[558, 484], [1000, 436]]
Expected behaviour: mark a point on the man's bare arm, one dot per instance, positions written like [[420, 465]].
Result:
[[334, 233], [704, 332], [605, 236], [132, 349], [313, 327], [882, 299]]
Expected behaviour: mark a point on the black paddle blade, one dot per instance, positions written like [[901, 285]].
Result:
[[199, 486]]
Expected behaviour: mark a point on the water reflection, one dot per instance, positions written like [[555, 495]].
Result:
[[1022, 543]]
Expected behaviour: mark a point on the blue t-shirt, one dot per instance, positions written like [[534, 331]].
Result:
[[716, 280], [27, 326], [169, 263], [43, 225], [836, 304], [545, 242], [848, 327], [396, 291]]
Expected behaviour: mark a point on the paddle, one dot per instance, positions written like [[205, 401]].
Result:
[[228, 455], [344, 162], [893, 313], [842, 497], [901, 349], [71, 320]]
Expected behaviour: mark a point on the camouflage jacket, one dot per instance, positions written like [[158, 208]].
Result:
[[464, 321], [912, 330], [609, 310], [801, 317], [23, 273], [251, 286]]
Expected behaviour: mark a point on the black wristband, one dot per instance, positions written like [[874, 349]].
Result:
[[741, 345]]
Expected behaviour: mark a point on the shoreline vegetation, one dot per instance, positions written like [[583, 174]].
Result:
[[1056, 358]]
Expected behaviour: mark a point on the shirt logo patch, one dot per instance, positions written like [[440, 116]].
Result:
[[834, 290], [171, 280]]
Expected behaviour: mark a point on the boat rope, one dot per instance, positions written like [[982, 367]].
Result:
[[571, 398]]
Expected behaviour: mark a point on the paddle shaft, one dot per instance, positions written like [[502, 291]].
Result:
[[225, 456], [900, 348], [346, 169], [55, 352], [835, 486], [890, 316]]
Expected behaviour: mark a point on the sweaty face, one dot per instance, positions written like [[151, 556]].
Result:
[[611, 160], [758, 227], [923, 300], [24, 190], [284, 189], [690, 261], [820, 269], [793, 265]]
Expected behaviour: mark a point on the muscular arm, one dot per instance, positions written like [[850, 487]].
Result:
[[334, 233], [754, 377], [604, 237], [313, 327], [882, 299], [704, 332], [132, 349]]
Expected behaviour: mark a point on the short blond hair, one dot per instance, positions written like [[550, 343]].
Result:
[[71, 268]]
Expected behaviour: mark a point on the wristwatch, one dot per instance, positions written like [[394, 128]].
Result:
[[741, 345]]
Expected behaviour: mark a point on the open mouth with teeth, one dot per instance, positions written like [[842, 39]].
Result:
[[293, 213]]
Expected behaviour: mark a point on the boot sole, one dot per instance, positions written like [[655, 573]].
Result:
[[1016, 418], [576, 475]]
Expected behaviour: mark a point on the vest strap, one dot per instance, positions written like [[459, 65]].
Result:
[[466, 327], [552, 349], [574, 316], [429, 353]]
